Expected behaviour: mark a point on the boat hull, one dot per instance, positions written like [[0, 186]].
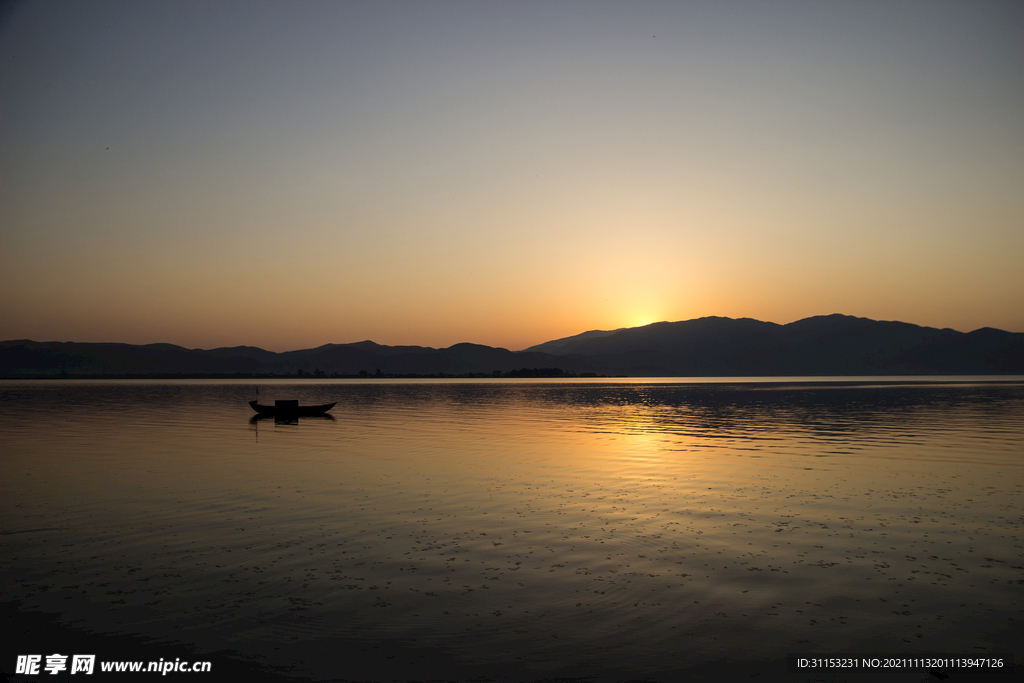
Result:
[[290, 410]]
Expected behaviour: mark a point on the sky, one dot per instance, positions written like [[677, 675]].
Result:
[[291, 174]]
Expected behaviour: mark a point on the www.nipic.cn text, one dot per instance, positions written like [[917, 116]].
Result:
[[86, 664]]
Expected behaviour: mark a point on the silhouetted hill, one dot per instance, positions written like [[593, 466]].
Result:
[[569, 344], [821, 345], [713, 346], [24, 357], [390, 350], [253, 352]]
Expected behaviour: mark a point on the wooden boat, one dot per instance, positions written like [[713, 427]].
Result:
[[290, 408]]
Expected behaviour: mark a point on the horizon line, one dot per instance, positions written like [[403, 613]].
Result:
[[569, 337]]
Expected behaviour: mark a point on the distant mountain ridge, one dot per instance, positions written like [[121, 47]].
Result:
[[712, 346], [570, 344], [821, 345]]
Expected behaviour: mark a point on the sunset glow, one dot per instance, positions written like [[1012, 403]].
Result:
[[287, 175]]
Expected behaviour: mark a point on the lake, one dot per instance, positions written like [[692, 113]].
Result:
[[513, 530]]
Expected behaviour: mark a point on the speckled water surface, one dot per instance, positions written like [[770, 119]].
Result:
[[519, 530]]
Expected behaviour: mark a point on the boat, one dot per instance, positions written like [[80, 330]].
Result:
[[290, 408]]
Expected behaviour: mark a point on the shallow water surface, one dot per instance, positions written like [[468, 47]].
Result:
[[516, 530]]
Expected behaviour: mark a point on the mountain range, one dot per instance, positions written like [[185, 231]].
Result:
[[704, 347]]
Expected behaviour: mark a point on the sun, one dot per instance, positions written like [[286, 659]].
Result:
[[642, 320]]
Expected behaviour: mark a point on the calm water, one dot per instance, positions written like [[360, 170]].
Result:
[[518, 530]]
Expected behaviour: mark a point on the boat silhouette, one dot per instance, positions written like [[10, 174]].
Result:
[[290, 407]]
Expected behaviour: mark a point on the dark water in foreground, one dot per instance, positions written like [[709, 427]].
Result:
[[513, 531]]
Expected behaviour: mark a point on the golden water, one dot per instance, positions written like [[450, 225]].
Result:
[[518, 530]]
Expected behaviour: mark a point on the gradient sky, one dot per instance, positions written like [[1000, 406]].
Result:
[[289, 174]]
